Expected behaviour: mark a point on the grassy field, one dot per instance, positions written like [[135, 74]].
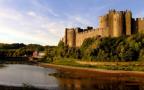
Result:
[[126, 66]]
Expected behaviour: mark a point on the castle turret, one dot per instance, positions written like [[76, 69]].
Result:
[[70, 37], [110, 21], [103, 21], [128, 22], [140, 25], [117, 24]]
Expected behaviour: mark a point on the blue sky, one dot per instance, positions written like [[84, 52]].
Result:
[[43, 21]]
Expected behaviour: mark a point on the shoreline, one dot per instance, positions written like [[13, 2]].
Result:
[[93, 70]]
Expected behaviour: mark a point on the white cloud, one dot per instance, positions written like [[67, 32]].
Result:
[[9, 14], [33, 27], [81, 20], [28, 28], [44, 8], [31, 13]]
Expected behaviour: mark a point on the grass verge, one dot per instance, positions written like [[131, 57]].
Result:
[[125, 66]]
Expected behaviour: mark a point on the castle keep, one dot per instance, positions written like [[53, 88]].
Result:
[[113, 24]]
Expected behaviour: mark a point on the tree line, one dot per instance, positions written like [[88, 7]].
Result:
[[124, 48], [19, 49]]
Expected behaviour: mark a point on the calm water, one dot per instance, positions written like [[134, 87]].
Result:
[[51, 79]]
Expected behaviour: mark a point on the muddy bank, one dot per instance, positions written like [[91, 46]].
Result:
[[2, 87], [91, 72]]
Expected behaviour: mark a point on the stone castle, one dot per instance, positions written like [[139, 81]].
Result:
[[113, 24]]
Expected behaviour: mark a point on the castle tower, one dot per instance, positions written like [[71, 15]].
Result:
[[140, 25], [117, 24], [128, 22], [103, 21], [70, 37], [110, 21]]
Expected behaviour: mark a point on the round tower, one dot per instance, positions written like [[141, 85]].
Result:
[[117, 24], [110, 21], [71, 37], [128, 18], [103, 21]]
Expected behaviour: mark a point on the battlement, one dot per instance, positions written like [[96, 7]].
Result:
[[128, 11], [104, 17], [112, 11], [140, 19], [80, 30], [112, 24]]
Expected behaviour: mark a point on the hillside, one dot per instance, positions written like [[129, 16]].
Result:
[[124, 48]]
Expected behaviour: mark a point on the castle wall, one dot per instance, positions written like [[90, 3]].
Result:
[[80, 37], [134, 28], [105, 32], [140, 24]]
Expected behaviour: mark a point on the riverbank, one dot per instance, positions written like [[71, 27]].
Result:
[[25, 87], [124, 66], [93, 71]]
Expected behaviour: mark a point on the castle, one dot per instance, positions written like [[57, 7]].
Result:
[[113, 24]]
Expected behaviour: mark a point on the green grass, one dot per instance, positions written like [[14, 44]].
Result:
[[126, 66], [66, 61]]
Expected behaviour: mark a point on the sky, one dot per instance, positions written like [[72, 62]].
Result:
[[44, 21]]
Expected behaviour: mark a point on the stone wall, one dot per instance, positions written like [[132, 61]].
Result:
[[80, 37], [140, 24]]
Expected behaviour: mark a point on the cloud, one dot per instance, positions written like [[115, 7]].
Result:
[[81, 20], [9, 14], [36, 25], [29, 27], [44, 8], [31, 13]]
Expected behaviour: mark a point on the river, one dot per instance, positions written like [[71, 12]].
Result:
[[52, 79]]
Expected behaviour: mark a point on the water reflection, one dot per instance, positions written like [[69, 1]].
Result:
[[68, 81], [51, 79], [17, 75]]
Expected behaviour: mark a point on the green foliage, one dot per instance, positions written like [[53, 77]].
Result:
[[66, 61], [107, 49], [16, 49], [141, 55], [11, 46], [61, 44], [34, 47], [50, 55], [87, 43], [93, 49]]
